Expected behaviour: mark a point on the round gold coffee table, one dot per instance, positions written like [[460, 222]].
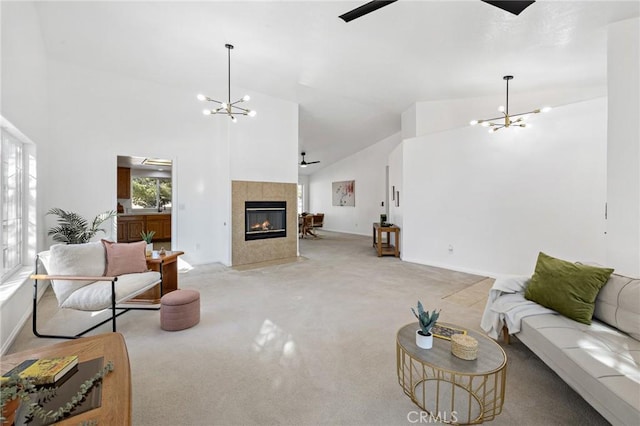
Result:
[[447, 388]]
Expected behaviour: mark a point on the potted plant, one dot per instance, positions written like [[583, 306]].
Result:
[[75, 229], [14, 390], [426, 320], [147, 237]]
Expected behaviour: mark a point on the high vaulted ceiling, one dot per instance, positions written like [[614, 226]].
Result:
[[352, 80]]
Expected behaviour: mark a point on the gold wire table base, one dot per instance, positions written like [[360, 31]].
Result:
[[448, 396]]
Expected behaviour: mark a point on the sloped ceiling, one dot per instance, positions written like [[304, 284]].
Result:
[[351, 80]]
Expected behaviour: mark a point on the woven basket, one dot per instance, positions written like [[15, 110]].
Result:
[[463, 346]]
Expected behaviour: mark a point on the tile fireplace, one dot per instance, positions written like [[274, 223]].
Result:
[[264, 221]]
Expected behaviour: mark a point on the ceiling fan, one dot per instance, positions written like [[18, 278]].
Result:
[[305, 163], [514, 7]]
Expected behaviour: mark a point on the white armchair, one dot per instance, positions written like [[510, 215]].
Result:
[[94, 277]]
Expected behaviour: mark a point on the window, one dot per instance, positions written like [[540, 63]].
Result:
[[150, 192], [300, 198], [17, 197]]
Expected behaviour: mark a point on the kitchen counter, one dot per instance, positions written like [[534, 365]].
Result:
[[145, 214], [131, 225]]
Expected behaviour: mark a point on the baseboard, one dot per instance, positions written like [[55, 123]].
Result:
[[472, 271], [6, 344]]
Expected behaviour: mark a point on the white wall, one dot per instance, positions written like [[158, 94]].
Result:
[[264, 148], [498, 199], [368, 169], [623, 170], [97, 116], [408, 123], [23, 66]]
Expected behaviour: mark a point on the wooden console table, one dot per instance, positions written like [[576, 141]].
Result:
[[115, 408], [386, 248], [168, 263]]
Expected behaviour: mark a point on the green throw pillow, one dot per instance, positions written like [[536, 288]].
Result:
[[568, 288]]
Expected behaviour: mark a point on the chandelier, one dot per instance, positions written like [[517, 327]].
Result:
[[229, 108], [508, 120]]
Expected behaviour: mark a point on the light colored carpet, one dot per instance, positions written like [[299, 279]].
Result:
[[309, 342]]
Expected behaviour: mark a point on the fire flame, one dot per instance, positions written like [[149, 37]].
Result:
[[264, 226]]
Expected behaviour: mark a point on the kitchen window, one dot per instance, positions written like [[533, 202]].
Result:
[[150, 192]]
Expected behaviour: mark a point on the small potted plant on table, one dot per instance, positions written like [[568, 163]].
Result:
[[147, 237], [426, 320]]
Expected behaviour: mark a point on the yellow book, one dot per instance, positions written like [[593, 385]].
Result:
[[48, 370]]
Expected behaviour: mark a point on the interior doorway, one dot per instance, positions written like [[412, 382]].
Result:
[[145, 200]]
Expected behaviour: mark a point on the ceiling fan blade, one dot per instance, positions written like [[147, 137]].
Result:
[[313, 162], [364, 9], [515, 7]]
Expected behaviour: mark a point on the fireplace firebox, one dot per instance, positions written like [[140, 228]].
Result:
[[265, 219]]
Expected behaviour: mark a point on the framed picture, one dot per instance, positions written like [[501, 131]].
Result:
[[445, 332], [344, 193]]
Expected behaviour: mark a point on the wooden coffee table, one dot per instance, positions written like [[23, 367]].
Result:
[[115, 408], [447, 387]]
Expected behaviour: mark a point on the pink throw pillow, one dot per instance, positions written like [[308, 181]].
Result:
[[125, 258]]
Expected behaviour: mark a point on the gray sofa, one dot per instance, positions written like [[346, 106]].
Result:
[[600, 361]]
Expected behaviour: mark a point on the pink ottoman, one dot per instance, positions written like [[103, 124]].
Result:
[[179, 309]]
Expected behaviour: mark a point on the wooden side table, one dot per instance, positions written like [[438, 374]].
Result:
[[386, 248], [168, 264]]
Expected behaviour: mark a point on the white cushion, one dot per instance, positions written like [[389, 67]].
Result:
[[600, 362], [97, 296], [618, 304], [78, 260]]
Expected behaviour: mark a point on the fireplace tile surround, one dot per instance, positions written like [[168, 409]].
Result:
[[255, 251]]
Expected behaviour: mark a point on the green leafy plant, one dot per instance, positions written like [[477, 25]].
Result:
[[75, 229], [17, 387], [425, 319], [147, 236]]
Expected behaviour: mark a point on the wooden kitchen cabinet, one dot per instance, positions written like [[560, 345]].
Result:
[[130, 227], [124, 182], [161, 224]]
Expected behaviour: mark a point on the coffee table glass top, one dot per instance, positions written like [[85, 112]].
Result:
[[491, 357]]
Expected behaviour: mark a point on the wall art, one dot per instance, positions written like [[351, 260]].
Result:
[[344, 193]]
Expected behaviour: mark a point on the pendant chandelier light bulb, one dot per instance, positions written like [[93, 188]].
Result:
[[228, 108], [507, 120]]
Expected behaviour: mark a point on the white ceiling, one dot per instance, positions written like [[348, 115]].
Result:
[[352, 80]]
